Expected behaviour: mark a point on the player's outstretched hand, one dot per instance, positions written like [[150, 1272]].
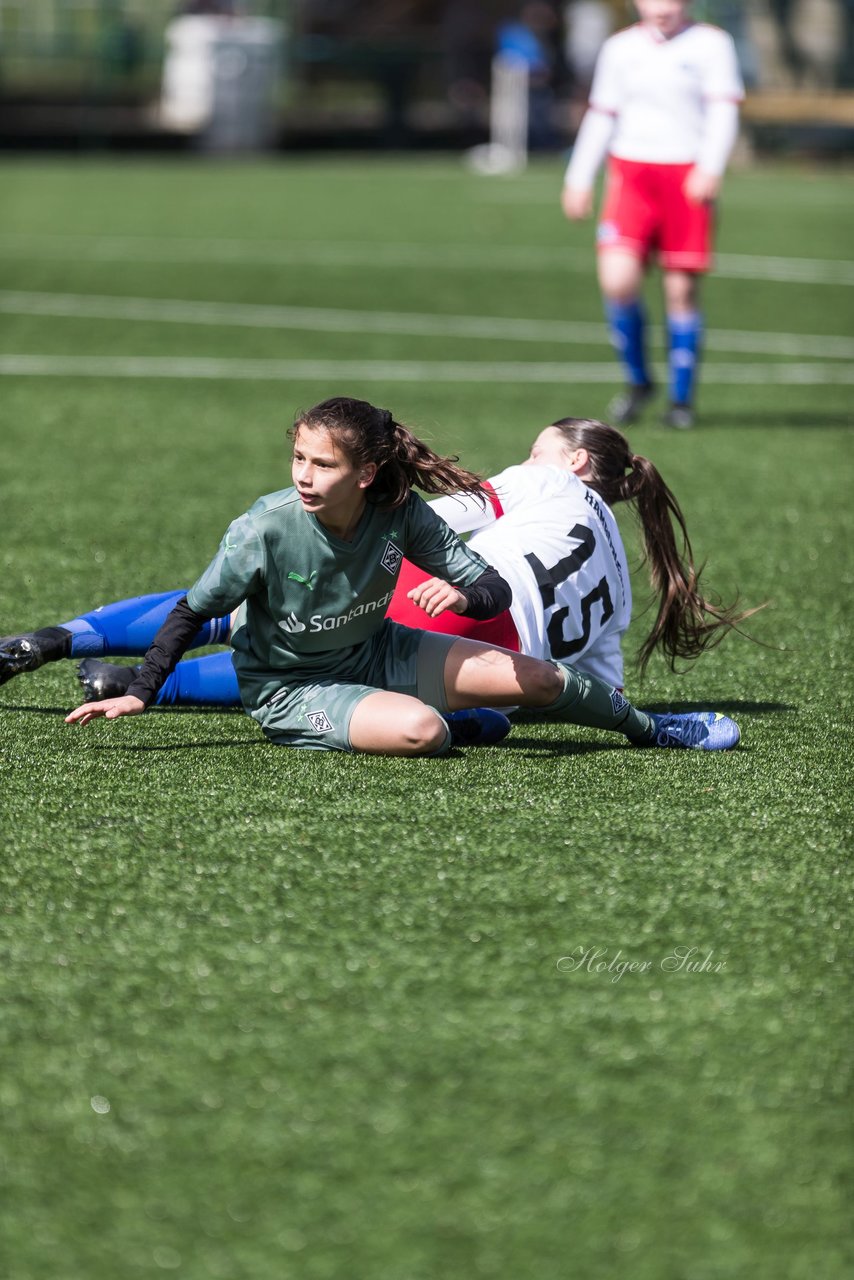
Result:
[[110, 709], [435, 596], [577, 203]]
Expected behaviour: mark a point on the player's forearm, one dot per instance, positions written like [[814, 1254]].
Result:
[[719, 137], [167, 648], [590, 149], [488, 596]]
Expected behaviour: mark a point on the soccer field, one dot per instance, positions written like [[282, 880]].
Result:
[[553, 1008]]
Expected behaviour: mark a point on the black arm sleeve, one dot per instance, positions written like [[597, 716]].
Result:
[[488, 596], [168, 646]]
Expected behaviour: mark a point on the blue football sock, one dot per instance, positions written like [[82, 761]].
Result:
[[685, 334], [627, 325], [201, 682], [127, 627]]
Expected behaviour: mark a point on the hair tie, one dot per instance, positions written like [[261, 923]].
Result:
[[387, 420]]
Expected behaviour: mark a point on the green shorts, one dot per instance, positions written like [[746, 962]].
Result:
[[317, 715]]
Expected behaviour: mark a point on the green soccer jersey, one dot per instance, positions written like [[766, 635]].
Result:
[[311, 599]]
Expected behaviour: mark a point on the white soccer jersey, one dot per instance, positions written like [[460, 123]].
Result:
[[670, 101], [558, 546]]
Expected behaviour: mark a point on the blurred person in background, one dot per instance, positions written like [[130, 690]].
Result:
[[531, 40], [664, 110], [587, 25]]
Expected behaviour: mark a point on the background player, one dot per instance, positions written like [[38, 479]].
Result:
[[664, 108], [549, 532]]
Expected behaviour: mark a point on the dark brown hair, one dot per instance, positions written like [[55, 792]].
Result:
[[687, 623], [371, 435]]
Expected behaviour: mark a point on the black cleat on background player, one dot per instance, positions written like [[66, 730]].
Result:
[[100, 680]]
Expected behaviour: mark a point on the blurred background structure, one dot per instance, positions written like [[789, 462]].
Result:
[[299, 74]]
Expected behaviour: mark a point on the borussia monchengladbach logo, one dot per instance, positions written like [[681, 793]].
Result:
[[618, 702], [319, 721], [392, 557]]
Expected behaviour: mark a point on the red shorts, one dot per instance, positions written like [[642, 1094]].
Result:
[[646, 212], [500, 631]]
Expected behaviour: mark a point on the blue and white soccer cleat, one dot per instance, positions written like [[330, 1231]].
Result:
[[700, 730], [476, 727]]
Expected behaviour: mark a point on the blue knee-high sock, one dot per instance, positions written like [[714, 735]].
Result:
[[627, 325], [201, 682], [685, 335], [127, 627]]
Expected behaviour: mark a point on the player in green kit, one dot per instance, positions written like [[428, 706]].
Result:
[[318, 663]]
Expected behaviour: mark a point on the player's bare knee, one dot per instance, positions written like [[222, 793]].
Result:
[[422, 732]]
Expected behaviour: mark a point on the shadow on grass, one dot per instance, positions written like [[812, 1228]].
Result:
[[165, 746], [728, 705], [177, 746], [38, 711], [540, 747], [173, 711], [196, 711]]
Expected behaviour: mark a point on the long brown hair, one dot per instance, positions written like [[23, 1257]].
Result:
[[371, 435], [687, 623]]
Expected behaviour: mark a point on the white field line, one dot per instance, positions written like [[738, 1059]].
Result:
[[448, 371], [332, 320], [453, 257]]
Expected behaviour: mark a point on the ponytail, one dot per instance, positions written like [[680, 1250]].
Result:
[[414, 465], [371, 435], [687, 623]]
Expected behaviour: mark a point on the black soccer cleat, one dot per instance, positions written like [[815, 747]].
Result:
[[626, 407], [32, 650], [101, 680]]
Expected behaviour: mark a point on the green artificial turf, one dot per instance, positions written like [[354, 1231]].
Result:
[[270, 1014]]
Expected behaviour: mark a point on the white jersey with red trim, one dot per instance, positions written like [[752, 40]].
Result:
[[659, 89], [558, 546], [661, 100]]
